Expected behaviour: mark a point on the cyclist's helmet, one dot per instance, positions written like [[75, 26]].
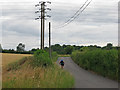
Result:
[[61, 60]]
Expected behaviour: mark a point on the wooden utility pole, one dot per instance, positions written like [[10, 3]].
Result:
[[42, 17], [50, 39], [41, 26], [43, 22]]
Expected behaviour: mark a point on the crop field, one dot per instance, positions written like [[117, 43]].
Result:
[[9, 58]]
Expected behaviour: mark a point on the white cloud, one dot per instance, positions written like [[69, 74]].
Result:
[[96, 25]]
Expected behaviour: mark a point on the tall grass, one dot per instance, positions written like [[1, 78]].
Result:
[[39, 77], [104, 62], [29, 76], [54, 57]]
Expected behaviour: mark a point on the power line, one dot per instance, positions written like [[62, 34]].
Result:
[[74, 14], [78, 12]]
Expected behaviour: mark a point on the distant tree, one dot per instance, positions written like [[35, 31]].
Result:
[[68, 49], [57, 45], [64, 46], [34, 49], [74, 45], [46, 49], [11, 50], [104, 47], [77, 47], [109, 46], [58, 48], [85, 48], [8, 51], [98, 46], [20, 47]]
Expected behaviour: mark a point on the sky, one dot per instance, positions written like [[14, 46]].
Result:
[[96, 25]]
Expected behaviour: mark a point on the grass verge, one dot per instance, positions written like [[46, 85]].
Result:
[[27, 76]]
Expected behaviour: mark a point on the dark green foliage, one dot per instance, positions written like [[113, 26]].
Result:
[[57, 48], [41, 58], [54, 56], [68, 50], [64, 49], [104, 62], [108, 47], [119, 64], [8, 51], [16, 52]]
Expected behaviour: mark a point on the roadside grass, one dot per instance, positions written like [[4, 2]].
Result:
[[54, 56], [26, 76], [64, 55]]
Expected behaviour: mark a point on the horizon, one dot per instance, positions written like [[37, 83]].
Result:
[[60, 45]]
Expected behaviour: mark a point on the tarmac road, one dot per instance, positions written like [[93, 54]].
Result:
[[85, 79]]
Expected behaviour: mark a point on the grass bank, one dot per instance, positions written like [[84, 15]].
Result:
[[28, 75], [103, 62]]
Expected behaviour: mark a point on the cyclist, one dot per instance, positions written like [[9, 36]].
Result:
[[61, 63]]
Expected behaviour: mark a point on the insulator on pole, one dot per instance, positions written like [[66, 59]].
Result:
[[49, 2], [37, 18], [48, 15], [37, 5], [48, 9]]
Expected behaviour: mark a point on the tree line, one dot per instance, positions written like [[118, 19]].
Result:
[[60, 49], [68, 49]]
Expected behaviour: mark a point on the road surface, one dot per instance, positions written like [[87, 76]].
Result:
[[85, 79]]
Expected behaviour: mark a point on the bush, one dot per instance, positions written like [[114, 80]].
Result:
[[41, 57], [68, 49], [54, 56], [104, 62]]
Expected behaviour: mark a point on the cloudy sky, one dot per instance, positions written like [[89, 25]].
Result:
[[97, 25]]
